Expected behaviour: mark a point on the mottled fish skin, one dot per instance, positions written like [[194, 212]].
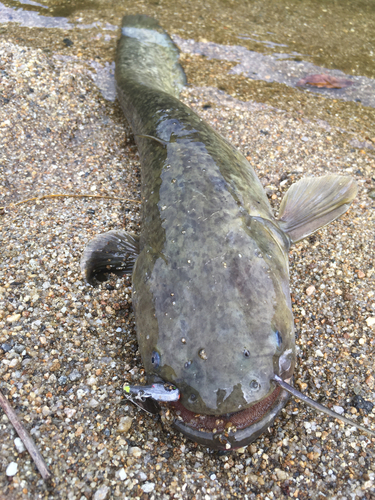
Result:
[[210, 280], [210, 287]]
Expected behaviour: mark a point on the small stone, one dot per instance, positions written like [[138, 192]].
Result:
[[92, 381], [124, 424], [101, 493], [338, 409], [74, 375], [55, 366], [13, 318], [281, 475], [361, 404], [302, 385], [67, 42], [69, 412], [52, 379], [20, 447], [6, 347], [202, 354], [148, 487], [310, 290], [19, 348], [122, 474], [134, 451], [370, 321], [46, 411], [319, 353], [12, 469], [80, 393], [370, 381], [361, 274], [93, 403], [63, 380]]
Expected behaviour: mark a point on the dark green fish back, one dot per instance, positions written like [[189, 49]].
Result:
[[208, 298], [146, 55]]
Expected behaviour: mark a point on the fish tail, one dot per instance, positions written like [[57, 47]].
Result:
[[147, 56]]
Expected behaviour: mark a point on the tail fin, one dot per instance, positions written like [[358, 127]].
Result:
[[147, 55]]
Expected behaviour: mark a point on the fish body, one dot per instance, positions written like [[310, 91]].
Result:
[[210, 269]]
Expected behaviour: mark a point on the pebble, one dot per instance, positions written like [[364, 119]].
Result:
[[62, 380], [135, 452], [338, 409], [148, 487], [92, 381], [12, 469], [124, 424], [122, 474], [20, 447], [142, 476], [102, 493], [281, 475], [69, 412], [74, 375], [6, 347], [310, 290], [13, 318]]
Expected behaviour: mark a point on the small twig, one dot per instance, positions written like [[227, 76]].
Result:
[[44, 197], [26, 438]]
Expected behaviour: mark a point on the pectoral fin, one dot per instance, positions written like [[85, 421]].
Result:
[[112, 252], [312, 203]]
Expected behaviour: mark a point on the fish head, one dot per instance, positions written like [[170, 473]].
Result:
[[219, 330]]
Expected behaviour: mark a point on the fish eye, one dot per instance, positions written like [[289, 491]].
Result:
[[254, 385], [279, 338], [192, 398], [155, 359], [246, 353]]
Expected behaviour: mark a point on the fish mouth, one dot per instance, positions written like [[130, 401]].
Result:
[[230, 431]]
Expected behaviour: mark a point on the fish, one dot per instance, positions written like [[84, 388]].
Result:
[[210, 278]]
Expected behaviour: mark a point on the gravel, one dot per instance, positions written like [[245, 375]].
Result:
[[66, 349]]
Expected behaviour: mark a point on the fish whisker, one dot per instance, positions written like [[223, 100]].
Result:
[[317, 406]]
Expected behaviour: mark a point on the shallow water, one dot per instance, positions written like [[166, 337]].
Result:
[[254, 51]]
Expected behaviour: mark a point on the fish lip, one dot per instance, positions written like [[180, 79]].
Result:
[[234, 439]]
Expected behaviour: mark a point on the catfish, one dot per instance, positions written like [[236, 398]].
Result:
[[210, 267]]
